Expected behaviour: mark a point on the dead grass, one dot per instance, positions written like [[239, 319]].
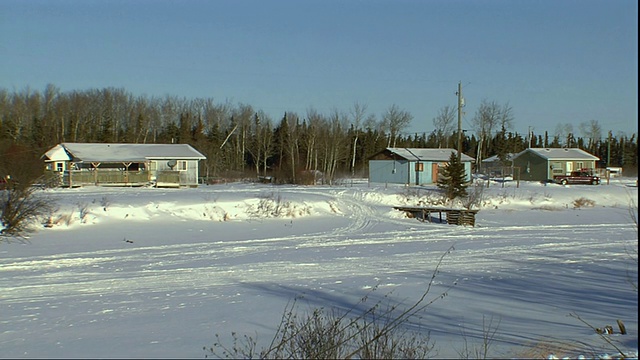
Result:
[[583, 202], [545, 350]]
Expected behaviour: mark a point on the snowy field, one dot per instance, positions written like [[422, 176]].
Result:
[[156, 273]]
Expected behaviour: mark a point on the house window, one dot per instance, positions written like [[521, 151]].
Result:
[[153, 166], [580, 165], [59, 166], [182, 165], [569, 167], [556, 168]]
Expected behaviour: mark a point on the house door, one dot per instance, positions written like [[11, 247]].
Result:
[[434, 172], [569, 167]]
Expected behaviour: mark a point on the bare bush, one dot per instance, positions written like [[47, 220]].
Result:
[[583, 202], [605, 333], [423, 197], [273, 205], [21, 207], [83, 209], [633, 212], [377, 332], [105, 202], [480, 351], [632, 251], [474, 198], [269, 205], [614, 344]]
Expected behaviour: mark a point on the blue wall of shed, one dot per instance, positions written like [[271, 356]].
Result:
[[382, 171]]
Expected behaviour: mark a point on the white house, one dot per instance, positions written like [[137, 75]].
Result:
[[79, 164]]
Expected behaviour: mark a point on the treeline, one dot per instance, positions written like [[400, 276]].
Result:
[[239, 140]]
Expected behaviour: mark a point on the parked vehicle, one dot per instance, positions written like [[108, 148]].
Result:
[[583, 176]]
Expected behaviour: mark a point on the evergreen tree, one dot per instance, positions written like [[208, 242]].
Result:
[[501, 145], [453, 178]]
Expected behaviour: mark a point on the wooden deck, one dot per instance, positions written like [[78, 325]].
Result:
[[451, 216]]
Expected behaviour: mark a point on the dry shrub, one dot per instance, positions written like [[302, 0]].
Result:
[[375, 331], [583, 202], [544, 350], [548, 208], [21, 207]]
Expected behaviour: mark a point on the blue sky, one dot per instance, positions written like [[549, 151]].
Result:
[[553, 61]]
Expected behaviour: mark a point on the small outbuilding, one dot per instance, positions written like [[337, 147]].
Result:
[[540, 164], [494, 166], [108, 164], [412, 166]]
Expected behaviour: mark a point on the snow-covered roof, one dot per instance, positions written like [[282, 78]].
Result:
[[560, 153], [57, 153], [494, 158], [422, 154], [109, 152]]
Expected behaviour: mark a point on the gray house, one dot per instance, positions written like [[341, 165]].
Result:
[[412, 166], [539, 164], [160, 165]]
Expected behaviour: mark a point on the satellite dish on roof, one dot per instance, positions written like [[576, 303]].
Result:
[[172, 163]]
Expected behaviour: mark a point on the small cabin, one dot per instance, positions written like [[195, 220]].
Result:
[[109, 164], [412, 166]]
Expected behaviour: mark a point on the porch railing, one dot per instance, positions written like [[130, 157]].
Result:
[[75, 178], [105, 177]]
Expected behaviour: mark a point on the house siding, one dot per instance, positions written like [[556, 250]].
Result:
[[532, 167], [389, 171], [404, 172], [188, 177]]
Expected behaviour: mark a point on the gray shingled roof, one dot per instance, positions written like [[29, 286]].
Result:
[[421, 154], [109, 152]]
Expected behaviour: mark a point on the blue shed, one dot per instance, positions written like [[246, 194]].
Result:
[[412, 166]]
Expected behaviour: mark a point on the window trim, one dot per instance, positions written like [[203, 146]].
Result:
[[182, 165]]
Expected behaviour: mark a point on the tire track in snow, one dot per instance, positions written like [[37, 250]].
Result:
[[184, 266]]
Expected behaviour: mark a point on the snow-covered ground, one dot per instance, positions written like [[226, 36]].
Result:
[[138, 272]]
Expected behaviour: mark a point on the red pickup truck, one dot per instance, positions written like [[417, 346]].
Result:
[[577, 177]]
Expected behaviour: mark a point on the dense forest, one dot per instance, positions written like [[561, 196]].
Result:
[[240, 141]]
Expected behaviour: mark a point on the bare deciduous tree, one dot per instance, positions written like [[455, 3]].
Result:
[[489, 117], [593, 132], [396, 120], [358, 114], [315, 122], [335, 147], [564, 133], [444, 124]]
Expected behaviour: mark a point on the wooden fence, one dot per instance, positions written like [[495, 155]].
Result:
[[76, 178]]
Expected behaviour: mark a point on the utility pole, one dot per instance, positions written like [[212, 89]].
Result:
[[460, 105], [609, 149]]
